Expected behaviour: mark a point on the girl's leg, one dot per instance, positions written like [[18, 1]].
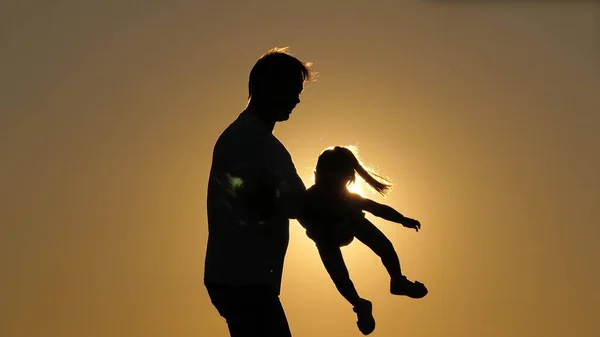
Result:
[[336, 267], [373, 238], [334, 263]]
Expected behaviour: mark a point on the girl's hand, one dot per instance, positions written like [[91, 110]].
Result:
[[412, 223]]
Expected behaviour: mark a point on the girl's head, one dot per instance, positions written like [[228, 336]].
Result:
[[337, 167]]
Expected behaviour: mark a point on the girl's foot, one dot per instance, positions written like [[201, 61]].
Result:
[[364, 312], [405, 287]]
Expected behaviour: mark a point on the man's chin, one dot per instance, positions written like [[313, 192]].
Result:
[[284, 116]]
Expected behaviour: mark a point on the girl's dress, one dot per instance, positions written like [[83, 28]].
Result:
[[328, 217]]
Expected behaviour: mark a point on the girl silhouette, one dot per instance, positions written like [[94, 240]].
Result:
[[333, 217]]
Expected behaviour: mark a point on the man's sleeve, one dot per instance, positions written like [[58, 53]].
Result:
[[245, 177], [292, 193]]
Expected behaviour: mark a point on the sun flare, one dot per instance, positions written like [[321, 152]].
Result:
[[357, 187]]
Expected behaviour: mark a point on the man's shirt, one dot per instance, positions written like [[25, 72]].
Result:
[[240, 251]]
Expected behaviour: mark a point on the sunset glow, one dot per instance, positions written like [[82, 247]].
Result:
[[483, 114], [357, 187]]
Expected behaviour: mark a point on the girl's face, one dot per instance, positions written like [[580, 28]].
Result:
[[335, 170], [345, 179], [337, 180]]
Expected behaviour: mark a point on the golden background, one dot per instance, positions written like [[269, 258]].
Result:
[[485, 115]]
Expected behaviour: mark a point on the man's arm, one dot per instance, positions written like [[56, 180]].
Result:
[[256, 188], [292, 196], [263, 192]]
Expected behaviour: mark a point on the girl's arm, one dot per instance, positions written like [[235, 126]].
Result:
[[385, 212]]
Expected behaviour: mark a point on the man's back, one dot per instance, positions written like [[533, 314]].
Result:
[[239, 252]]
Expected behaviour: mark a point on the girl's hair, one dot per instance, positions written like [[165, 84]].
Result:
[[341, 163]]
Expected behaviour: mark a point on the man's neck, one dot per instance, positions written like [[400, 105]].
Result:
[[262, 115]]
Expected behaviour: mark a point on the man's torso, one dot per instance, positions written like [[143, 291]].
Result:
[[238, 252]]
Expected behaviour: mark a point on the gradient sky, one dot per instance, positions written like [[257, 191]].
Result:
[[485, 115]]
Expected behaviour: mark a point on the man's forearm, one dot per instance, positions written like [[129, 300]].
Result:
[[291, 203], [256, 190], [291, 199], [263, 197]]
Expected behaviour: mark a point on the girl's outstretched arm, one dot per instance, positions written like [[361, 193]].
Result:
[[385, 212], [336, 268]]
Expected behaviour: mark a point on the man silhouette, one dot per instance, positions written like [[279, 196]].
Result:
[[253, 191]]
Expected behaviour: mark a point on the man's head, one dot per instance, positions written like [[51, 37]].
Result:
[[276, 82]]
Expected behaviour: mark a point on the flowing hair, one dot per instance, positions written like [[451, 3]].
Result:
[[338, 162]]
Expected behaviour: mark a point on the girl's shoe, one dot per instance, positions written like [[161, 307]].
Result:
[[364, 312], [405, 287]]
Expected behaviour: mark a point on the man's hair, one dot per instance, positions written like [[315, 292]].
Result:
[[276, 67]]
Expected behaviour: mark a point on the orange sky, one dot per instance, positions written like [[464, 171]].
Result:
[[485, 116]]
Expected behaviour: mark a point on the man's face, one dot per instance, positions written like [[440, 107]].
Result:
[[285, 98]]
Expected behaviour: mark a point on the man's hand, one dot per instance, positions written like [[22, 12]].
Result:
[[411, 223]]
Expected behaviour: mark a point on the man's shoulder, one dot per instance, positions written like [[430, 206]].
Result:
[[229, 132], [242, 145], [240, 134]]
